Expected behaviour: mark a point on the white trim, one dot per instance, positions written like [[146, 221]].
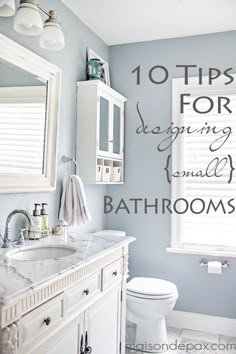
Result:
[[110, 91], [203, 323], [23, 58], [201, 252]]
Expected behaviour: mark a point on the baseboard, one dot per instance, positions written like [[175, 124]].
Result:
[[203, 323]]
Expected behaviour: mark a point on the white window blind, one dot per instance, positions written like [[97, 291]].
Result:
[[22, 130], [215, 228]]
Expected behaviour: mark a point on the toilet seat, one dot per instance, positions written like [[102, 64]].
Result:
[[151, 288]]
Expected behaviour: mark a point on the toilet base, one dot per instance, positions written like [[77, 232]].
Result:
[[151, 337]]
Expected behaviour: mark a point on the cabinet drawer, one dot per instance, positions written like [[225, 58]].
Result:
[[88, 289], [42, 320], [112, 273]]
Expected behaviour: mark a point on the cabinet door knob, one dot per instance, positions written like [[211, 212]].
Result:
[[86, 292], [47, 321], [114, 273]]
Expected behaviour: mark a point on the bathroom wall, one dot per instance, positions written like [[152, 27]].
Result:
[[144, 175], [72, 61]]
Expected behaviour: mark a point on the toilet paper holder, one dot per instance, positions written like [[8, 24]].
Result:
[[204, 263]]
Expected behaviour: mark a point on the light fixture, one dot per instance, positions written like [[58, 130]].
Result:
[[7, 8], [52, 37], [27, 19]]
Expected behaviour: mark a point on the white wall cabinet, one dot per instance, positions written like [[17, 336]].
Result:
[[100, 132]]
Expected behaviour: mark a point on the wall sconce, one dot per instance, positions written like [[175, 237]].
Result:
[[52, 36], [28, 21]]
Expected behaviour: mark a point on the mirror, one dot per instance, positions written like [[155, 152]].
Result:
[[23, 102], [29, 106]]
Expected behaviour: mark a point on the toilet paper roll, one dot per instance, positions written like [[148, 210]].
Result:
[[214, 267]]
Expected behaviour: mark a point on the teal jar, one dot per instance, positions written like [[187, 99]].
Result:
[[95, 69]]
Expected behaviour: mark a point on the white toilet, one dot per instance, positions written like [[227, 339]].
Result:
[[149, 300]]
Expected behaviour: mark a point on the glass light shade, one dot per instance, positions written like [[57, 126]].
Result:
[[7, 8], [52, 37], [28, 20]]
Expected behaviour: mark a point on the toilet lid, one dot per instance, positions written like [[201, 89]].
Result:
[[151, 287]]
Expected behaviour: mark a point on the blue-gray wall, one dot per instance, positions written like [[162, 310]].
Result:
[[144, 175], [72, 61]]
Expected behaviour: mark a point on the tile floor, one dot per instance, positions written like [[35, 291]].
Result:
[[199, 340]]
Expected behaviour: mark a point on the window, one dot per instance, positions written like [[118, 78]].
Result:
[[206, 219]]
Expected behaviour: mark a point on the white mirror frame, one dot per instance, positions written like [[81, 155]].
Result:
[[23, 58]]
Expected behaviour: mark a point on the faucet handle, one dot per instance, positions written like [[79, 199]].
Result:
[[21, 239], [7, 238]]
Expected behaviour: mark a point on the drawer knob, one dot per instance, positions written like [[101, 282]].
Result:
[[86, 292], [114, 273], [47, 321]]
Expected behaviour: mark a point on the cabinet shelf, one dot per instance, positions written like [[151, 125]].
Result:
[[100, 133]]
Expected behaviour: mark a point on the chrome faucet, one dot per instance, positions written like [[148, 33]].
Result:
[[7, 236]]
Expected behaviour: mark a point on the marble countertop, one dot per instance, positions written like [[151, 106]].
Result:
[[18, 278]]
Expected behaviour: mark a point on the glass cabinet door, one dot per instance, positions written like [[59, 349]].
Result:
[[116, 129], [104, 124]]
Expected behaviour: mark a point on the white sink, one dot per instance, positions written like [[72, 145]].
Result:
[[40, 253]]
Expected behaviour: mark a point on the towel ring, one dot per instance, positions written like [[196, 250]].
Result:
[[68, 160]]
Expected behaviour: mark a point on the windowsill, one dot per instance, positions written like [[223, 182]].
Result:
[[201, 252]]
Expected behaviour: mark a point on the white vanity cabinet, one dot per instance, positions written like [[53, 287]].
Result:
[[80, 312], [100, 132]]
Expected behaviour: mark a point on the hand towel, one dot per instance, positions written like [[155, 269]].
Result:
[[73, 209]]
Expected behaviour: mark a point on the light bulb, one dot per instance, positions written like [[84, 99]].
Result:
[[52, 41], [28, 25]]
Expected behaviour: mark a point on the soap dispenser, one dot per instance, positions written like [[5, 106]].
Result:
[[44, 216], [35, 229]]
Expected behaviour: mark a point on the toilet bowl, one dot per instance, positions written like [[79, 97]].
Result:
[[149, 300]]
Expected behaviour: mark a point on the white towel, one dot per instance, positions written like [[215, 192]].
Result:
[[73, 209]]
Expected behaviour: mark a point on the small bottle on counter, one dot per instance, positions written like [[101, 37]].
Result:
[[44, 216], [36, 228], [61, 230]]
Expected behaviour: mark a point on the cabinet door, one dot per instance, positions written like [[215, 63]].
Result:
[[104, 124], [117, 127], [111, 127], [68, 343], [102, 323]]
